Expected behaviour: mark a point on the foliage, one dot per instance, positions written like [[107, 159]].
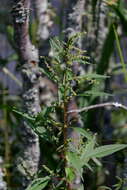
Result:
[[87, 89], [54, 130]]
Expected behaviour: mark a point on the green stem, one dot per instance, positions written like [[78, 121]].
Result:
[[65, 128], [120, 53], [65, 142], [65, 125]]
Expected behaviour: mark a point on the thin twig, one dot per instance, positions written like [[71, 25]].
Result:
[[116, 104]]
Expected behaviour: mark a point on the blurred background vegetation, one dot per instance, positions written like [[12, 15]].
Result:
[[105, 41]]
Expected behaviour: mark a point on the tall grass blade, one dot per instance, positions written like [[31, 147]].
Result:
[[106, 52], [120, 54]]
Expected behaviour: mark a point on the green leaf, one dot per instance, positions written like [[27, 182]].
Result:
[[83, 61], [56, 45], [49, 74], [73, 160], [83, 132], [119, 184], [39, 184], [70, 174], [58, 185], [104, 187], [87, 149], [93, 76], [81, 187], [25, 115], [122, 17], [106, 52], [41, 130], [97, 162], [43, 133], [104, 150], [120, 54], [57, 48], [94, 93], [89, 167]]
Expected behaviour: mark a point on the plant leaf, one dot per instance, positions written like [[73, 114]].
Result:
[[73, 160], [25, 115], [83, 133], [93, 76], [39, 184], [104, 188], [106, 52], [122, 17], [104, 150], [120, 54], [88, 148], [94, 93], [70, 174]]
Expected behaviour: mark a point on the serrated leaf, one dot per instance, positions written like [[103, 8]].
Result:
[[39, 184], [104, 150]]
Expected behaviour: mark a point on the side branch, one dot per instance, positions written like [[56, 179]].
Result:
[[116, 104]]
